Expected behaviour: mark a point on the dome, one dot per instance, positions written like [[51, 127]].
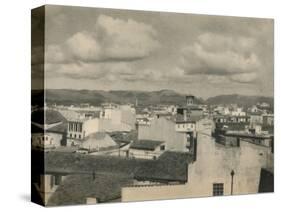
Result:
[[51, 117]]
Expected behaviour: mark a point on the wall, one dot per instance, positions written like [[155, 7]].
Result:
[[154, 192], [256, 119], [46, 187], [163, 130], [108, 126], [128, 116], [91, 126], [197, 114], [118, 119], [145, 154], [213, 165], [54, 140], [215, 162]]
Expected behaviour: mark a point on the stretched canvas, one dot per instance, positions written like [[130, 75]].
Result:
[[139, 105]]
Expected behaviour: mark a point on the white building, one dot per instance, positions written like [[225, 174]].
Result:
[[79, 129], [118, 118], [146, 149]]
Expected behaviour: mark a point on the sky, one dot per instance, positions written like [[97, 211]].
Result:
[[105, 49]]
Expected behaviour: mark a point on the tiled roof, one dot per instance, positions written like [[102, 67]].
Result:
[[61, 128], [145, 144], [70, 115], [77, 187], [98, 141], [247, 135], [51, 116], [111, 173], [122, 137], [170, 166]]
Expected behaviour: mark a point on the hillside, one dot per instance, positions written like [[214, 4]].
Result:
[[145, 98], [241, 100], [97, 97]]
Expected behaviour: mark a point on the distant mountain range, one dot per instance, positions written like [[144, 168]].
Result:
[[242, 100], [144, 98]]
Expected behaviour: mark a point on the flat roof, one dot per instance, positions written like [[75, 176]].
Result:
[[146, 144], [247, 135]]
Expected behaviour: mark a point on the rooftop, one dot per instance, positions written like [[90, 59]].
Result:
[[111, 173], [170, 166], [124, 137], [247, 135], [98, 141], [48, 116], [57, 123], [77, 187], [146, 144]]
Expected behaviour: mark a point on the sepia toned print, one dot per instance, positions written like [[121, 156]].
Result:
[[138, 105]]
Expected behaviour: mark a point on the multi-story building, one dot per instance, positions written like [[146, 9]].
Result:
[[79, 129], [162, 129], [191, 110], [118, 118]]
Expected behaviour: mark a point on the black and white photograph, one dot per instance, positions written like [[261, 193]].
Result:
[[131, 105]]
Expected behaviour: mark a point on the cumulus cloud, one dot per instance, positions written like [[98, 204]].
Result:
[[111, 40], [221, 55], [89, 70], [244, 77]]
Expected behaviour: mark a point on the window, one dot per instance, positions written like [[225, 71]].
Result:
[[70, 135], [79, 136], [57, 179], [162, 147], [218, 189], [52, 182], [238, 142]]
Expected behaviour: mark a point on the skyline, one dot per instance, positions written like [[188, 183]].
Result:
[[186, 93], [107, 49]]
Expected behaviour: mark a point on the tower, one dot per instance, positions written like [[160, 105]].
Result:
[[189, 100]]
